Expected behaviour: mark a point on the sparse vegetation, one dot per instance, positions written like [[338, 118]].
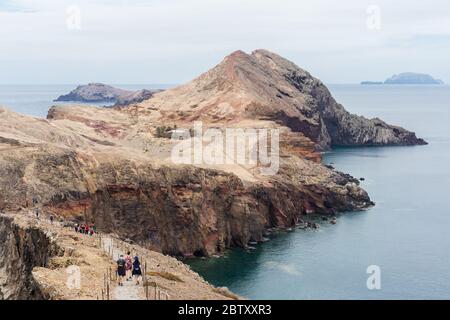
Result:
[[165, 275], [226, 293], [164, 131]]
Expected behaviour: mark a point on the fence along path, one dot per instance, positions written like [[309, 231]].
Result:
[[129, 290]]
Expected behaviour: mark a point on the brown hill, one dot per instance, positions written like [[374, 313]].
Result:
[[265, 86]]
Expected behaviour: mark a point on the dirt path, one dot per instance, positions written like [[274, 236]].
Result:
[[129, 290]]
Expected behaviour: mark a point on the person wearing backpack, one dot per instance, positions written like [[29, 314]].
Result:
[[137, 272], [121, 272], [128, 265]]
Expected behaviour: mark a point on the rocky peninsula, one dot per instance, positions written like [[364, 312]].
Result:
[[112, 167]]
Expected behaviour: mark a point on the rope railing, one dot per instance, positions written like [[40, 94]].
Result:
[[151, 289], [158, 293]]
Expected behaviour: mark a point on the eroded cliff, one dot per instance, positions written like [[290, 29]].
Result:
[[21, 250]]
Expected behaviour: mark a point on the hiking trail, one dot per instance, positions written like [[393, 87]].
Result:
[[129, 290]]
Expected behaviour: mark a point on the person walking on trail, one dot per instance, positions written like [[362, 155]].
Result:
[[121, 270], [129, 265], [137, 272], [51, 219], [37, 213]]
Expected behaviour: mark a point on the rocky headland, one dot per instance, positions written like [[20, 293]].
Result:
[[112, 167]]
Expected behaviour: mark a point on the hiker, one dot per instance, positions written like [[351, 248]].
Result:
[[137, 272], [77, 227], [121, 269], [129, 265], [37, 213], [51, 219]]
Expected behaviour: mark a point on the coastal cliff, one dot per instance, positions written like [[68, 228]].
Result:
[[113, 166]]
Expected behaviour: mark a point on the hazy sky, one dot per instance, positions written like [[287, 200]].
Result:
[[172, 41]]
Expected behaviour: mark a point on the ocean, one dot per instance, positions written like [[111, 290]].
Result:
[[405, 236]]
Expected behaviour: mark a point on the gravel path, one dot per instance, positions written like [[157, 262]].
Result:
[[129, 290]]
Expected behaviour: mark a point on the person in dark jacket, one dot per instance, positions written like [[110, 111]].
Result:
[[121, 270], [137, 272]]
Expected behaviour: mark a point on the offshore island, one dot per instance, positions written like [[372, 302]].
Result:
[[407, 78]]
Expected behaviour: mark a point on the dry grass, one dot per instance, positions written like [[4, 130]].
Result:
[[165, 275], [226, 293]]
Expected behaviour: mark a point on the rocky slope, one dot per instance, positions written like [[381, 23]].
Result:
[[36, 256]]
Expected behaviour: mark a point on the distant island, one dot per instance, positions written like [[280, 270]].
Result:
[[99, 92], [407, 78]]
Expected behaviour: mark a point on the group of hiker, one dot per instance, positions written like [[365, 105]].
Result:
[[128, 268], [85, 229]]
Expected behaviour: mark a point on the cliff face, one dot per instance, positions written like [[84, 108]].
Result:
[[178, 210], [21, 250]]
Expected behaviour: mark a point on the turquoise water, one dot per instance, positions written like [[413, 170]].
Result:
[[406, 234]]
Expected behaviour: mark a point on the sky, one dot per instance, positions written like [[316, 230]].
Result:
[[173, 41]]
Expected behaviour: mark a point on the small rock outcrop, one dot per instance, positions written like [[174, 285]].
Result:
[[133, 97]]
